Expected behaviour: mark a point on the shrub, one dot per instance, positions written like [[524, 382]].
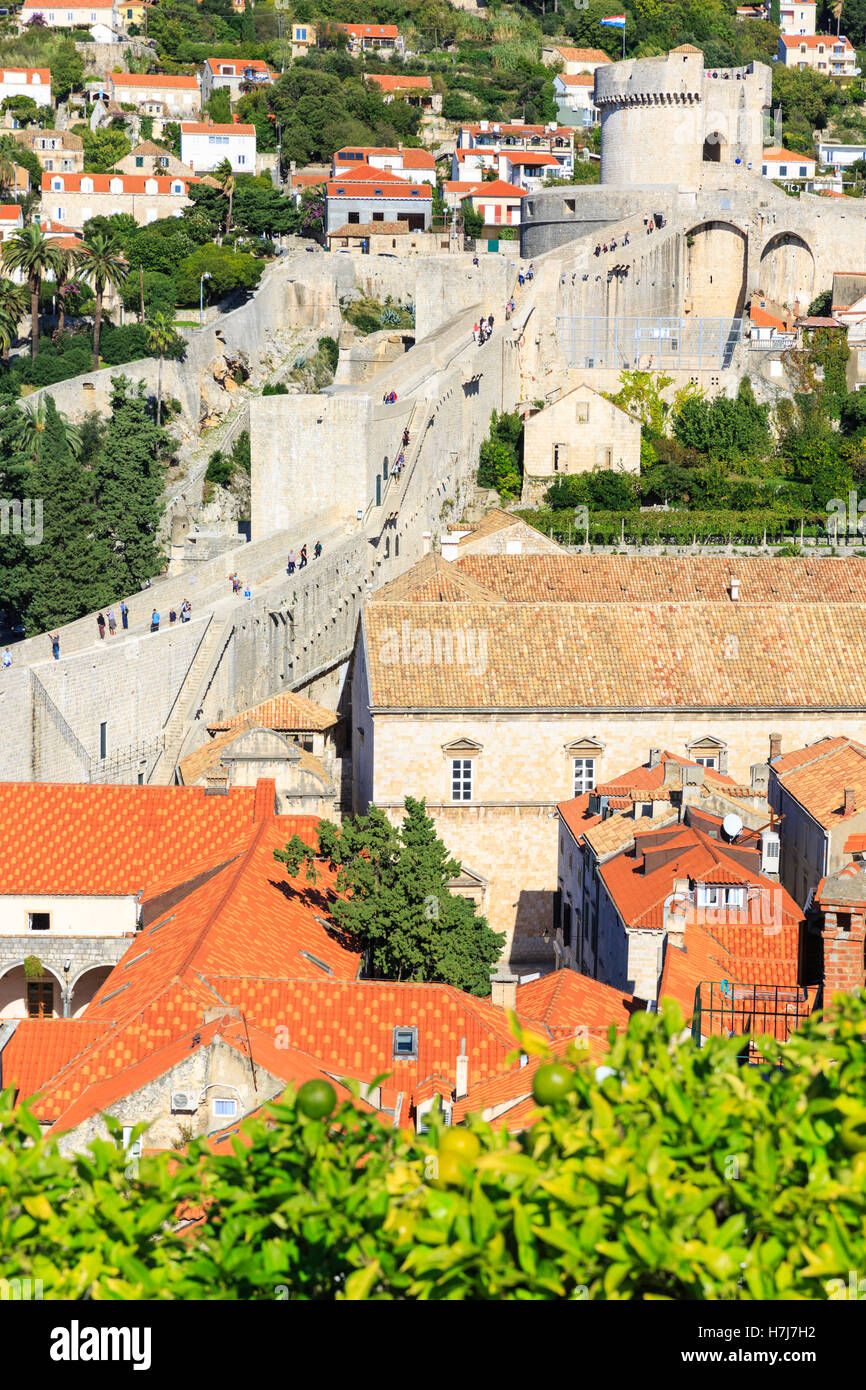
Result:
[[276, 388], [682, 1174], [219, 469]]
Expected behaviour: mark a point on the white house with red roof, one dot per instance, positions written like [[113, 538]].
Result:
[[204, 146], [574, 100], [236, 75], [406, 162], [828, 54], [99, 16], [72, 199], [11, 220], [367, 38], [26, 82], [787, 166], [528, 169], [494, 137], [498, 202], [361, 199]]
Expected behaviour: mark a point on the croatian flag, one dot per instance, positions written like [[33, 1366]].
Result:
[[614, 21]]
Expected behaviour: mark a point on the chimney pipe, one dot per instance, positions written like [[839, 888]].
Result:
[[735, 589], [655, 757], [775, 747], [461, 1086], [850, 805]]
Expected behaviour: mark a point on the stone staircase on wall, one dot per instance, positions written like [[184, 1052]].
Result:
[[185, 706]]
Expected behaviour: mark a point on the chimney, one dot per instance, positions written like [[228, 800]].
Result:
[[843, 936], [775, 747], [655, 757], [503, 992], [759, 778], [734, 589], [462, 1072], [216, 783], [850, 803], [676, 907], [673, 772]]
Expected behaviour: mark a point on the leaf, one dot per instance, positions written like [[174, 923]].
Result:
[[359, 1284]]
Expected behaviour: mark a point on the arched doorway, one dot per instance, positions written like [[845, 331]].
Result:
[[85, 986], [715, 271], [715, 148], [787, 270], [21, 997]]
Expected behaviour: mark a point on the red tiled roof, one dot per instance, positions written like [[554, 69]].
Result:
[[40, 1047], [240, 65], [530, 157], [575, 79], [129, 183], [573, 1005], [397, 189], [368, 173], [498, 188], [410, 156], [364, 31], [88, 838], [152, 79], [777, 154], [819, 779], [815, 40], [202, 128], [44, 74], [388, 83]]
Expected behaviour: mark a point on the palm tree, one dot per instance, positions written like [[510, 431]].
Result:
[[224, 175], [35, 421], [103, 267], [33, 253], [13, 307], [68, 261], [159, 336]]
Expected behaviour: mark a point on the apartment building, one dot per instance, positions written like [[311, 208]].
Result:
[[204, 146], [384, 39], [235, 75], [27, 82], [823, 53], [416, 91], [99, 16], [494, 138], [72, 199], [58, 151], [819, 794], [156, 93]]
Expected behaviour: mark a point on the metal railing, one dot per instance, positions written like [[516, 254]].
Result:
[[728, 1009]]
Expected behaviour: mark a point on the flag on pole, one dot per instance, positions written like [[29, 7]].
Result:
[[615, 21]]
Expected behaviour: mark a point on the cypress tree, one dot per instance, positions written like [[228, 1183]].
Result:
[[15, 489], [68, 575], [128, 480]]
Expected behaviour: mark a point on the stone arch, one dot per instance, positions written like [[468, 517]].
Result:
[[787, 270], [715, 149], [85, 985], [13, 990], [716, 270]]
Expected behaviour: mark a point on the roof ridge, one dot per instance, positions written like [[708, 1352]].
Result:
[[242, 863]]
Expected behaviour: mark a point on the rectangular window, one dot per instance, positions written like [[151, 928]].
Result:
[[461, 779], [405, 1043], [39, 921], [560, 458], [802, 170], [40, 998], [225, 1109], [242, 159], [706, 760], [103, 739], [584, 775], [139, 161], [710, 895], [581, 412]]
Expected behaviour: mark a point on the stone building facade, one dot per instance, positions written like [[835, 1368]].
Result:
[[580, 432]]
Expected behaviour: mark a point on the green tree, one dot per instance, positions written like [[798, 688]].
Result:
[[102, 266], [15, 482], [67, 69], [225, 177], [128, 482], [219, 106], [13, 307], [398, 910], [34, 254], [68, 260], [640, 393], [161, 337], [103, 148], [228, 270], [68, 577]]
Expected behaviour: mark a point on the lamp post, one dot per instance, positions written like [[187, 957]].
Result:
[[205, 276]]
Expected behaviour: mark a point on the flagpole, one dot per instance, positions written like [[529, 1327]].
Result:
[[623, 43]]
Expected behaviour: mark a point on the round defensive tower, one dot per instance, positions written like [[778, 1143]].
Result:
[[668, 119], [651, 118]]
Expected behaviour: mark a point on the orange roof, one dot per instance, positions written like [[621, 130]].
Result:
[[531, 157], [815, 40], [115, 839], [582, 55], [287, 713], [855, 844], [575, 79], [44, 74], [386, 83], [778, 153], [573, 1005], [240, 65], [10, 212], [498, 188], [516, 129], [364, 31], [819, 779], [368, 173], [761, 319], [129, 183], [411, 158], [397, 189], [202, 128], [152, 79], [39, 1047]]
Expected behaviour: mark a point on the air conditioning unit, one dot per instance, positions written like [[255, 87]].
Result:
[[184, 1100], [769, 852]]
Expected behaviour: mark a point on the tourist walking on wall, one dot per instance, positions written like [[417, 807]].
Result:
[[291, 565], [100, 623], [154, 621], [317, 549], [172, 617], [476, 331], [7, 658], [55, 645], [303, 559], [248, 593], [185, 611], [112, 623], [124, 616]]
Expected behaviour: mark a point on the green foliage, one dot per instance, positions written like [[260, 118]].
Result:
[[103, 148], [370, 316], [159, 293], [640, 393], [684, 1175], [258, 208], [69, 569], [606, 489], [473, 220], [220, 107], [500, 458], [399, 911], [229, 271], [67, 69], [128, 481], [723, 428], [33, 968], [276, 388], [821, 304], [683, 527], [219, 468], [241, 457], [330, 349]]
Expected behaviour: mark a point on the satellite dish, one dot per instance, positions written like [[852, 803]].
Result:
[[732, 825]]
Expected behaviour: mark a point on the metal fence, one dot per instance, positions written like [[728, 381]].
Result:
[[649, 343]]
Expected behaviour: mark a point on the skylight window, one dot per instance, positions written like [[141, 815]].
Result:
[[314, 960], [405, 1043]]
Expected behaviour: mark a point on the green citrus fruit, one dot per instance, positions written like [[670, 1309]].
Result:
[[552, 1082], [460, 1142], [450, 1170], [316, 1099]]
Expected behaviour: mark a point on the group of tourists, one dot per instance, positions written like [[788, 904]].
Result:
[[292, 564], [156, 618], [603, 248], [483, 329], [389, 398], [103, 621], [522, 276]]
